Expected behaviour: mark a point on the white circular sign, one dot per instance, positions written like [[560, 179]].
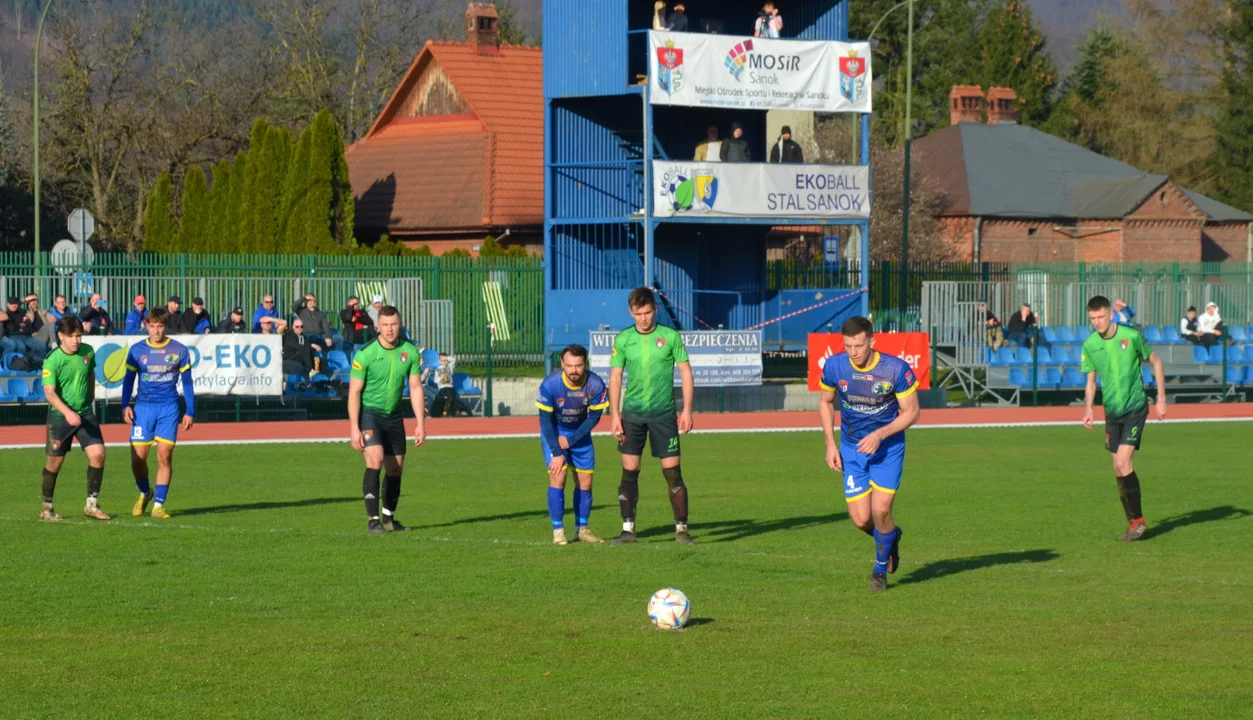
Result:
[[66, 258]]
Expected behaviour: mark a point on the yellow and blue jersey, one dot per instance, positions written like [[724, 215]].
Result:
[[868, 396], [569, 405], [158, 368]]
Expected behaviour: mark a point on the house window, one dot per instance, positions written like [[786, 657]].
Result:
[[1031, 232], [1161, 197]]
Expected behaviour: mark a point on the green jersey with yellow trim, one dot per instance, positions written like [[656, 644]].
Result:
[[649, 360], [73, 377], [1117, 361], [386, 372]]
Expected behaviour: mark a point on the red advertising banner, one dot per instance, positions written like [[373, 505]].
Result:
[[914, 348]]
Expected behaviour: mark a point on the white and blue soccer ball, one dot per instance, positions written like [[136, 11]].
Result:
[[669, 609]]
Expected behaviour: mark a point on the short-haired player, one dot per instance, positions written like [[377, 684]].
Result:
[[570, 403], [878, 403]]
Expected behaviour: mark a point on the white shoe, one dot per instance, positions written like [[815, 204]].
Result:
[[559, 537]]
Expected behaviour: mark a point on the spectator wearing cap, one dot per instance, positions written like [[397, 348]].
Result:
[[175, 324], [196, 319], [60, 308], [317, 327], [1211, 326], [735, 148], [265, 318], [95, 316], [19, 330], [787, 150], [376, 304], [356, 324], [137, 318], [234, 323]]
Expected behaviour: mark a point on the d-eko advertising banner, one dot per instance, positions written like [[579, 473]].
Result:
[[760, 190], [914, 348], [719, 357], [237, 364], [702, 70]]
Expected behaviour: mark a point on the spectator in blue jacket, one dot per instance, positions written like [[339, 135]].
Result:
[[137, 318], [266, 320], [1124, 314], [60, 309]]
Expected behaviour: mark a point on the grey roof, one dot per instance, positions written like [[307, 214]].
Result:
[[1015, 171]]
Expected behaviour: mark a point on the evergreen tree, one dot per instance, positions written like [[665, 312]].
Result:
[[319, 201], [271, 171], [159, 228], [193, 231], [292, 214], [252, 208], [344, 213], [1014, 54], [1232, 162], [508, 28], [8, 138], [235, 206], [218, 222]]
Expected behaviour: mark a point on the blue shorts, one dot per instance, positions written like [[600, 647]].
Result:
[[155, 423], [880, 472], [581, 456]]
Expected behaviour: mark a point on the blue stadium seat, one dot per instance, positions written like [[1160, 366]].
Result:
[[1022, 356], [1234, 375], [17, 389], [1072, 378], [1248, 376], [1171, 336], [1153, 334], [470, 395], [319, 378], [37, 392], [430, 359], [1146, 376], [1238, 334], [1065, 335], [1044, 357], [1199, 354], [1003, 358], [1236, 356], [1052, 378], [337, 361], [1064, 357], [1216, 355], [1050, 335], [1018, 377]]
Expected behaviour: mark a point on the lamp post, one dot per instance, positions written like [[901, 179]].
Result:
[[38, 42]]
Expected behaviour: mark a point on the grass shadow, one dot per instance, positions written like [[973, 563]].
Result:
[[732, 530], [1195, 517], [521, 515], [243, 507], [697, 622], [945, 568]]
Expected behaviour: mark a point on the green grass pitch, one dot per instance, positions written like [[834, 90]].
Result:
[[264, 597]]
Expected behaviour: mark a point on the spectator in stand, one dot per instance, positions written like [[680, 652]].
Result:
[[659, 15], [196, 319], [787, 150], [995, 333], [709, 149], [769, 22], [1190, 327], [317, 327], [265, 319], [60, 309], [357, 325], [677, 22], [46, 335], [95, 316], [735, 148], [1211, 326], [233, 324], [297, 352], [1123, 313], [376, 304], [1022, 327], [19, 331], [445, 401], [137, 318], [175, 324]]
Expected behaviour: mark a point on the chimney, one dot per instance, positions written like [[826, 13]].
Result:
[[965, 104], [1002, 106], [481, 33]]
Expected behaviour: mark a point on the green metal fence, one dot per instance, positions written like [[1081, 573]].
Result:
[[460, 281]]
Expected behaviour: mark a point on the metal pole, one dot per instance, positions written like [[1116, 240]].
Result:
[[648, 186], [38, 42], [487, 406], [909, 134]]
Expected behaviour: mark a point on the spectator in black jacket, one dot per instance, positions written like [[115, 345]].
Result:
[[235, 323], [196, 319], [175, 324], [357, 325], [95, 316], [297, 351], [317, 327], [786, 150], [735, 148], [1022, 327], [20, 326]]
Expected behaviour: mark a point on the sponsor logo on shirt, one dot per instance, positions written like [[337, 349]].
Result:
[[356, 365], [561, 401], [883, 387], [844, 386]]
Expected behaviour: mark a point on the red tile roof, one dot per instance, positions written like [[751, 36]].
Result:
[[482, 169]]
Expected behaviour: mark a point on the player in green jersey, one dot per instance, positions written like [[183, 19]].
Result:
[[1116, 353], [380, 372], [648, 353], [69, 380]]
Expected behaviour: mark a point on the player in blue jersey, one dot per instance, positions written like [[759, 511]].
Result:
[[878, 403], [570, 404], [159, 363]]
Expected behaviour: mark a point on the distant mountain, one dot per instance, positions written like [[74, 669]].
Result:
[[1067, 21]]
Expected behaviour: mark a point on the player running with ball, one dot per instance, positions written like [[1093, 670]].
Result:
[[878, 402]]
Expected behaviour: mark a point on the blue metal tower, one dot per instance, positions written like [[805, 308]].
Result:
[[602, 234]]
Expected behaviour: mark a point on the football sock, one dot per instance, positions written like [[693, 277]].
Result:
[[144, 487], [678, 494], [883, 549], [49, 485], [391, 494], [95, 478], [582, 506], [370, 490], [556, 507], [1129, 493], [162, 491], [629, 496]]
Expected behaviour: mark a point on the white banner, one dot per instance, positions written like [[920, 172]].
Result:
[[237, 364], [719, 358], [702, 70], [694, 189]]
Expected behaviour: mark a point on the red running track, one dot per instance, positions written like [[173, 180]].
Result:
[[323, 430]]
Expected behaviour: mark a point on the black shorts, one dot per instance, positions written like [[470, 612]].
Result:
[[386, 431], [61, 434], [1125, 429], [661, 431]]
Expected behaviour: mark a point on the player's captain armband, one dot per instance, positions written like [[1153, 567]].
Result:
[[356, 365]]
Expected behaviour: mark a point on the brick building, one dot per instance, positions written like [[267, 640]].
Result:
[[457, 153], [1015, 194]]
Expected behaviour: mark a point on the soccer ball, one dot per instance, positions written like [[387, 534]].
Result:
[[669, 609]]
